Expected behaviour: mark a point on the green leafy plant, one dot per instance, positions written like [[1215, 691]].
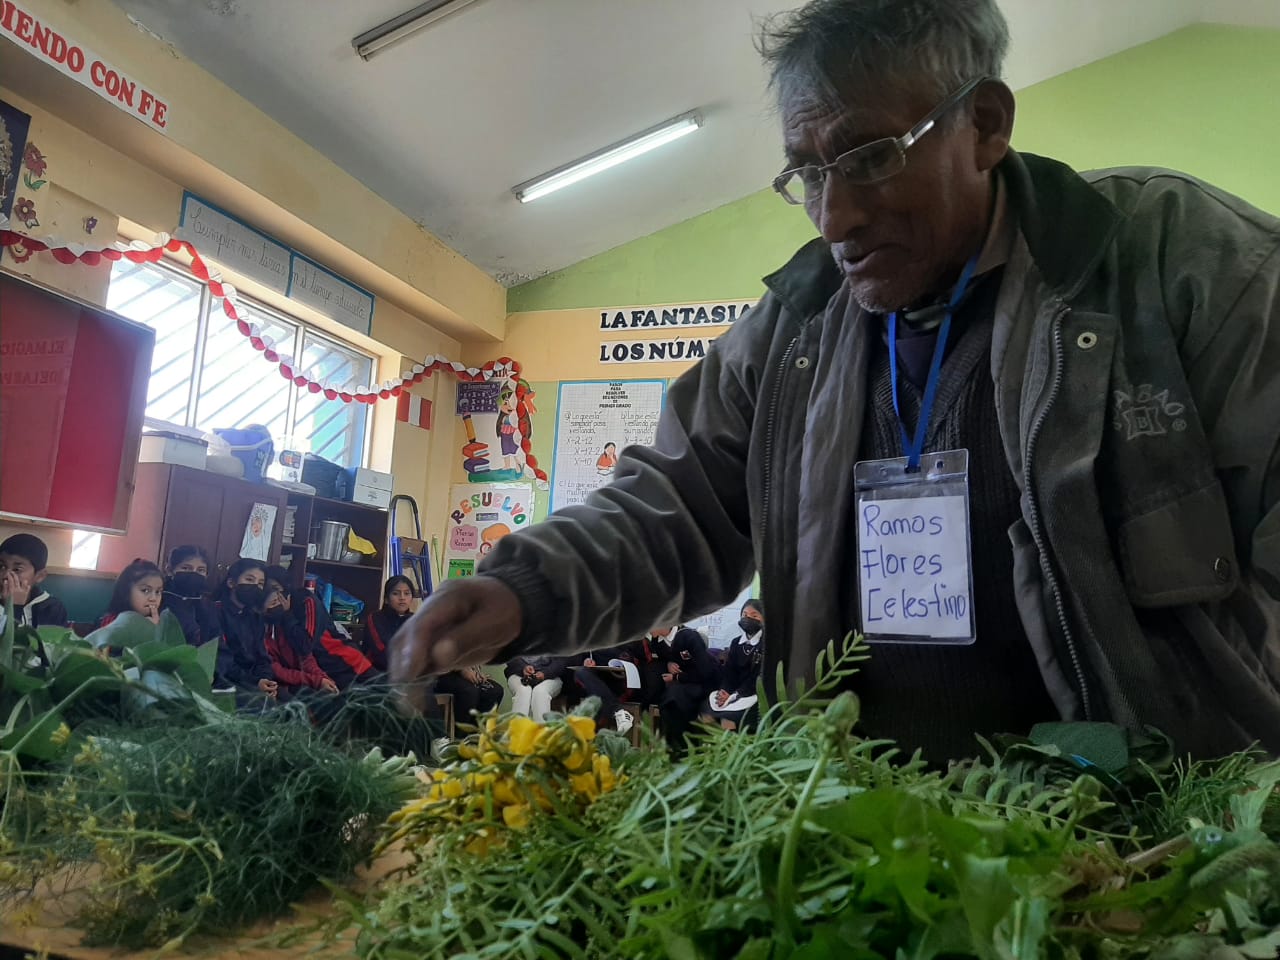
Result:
[[802, 840], [168, 832]]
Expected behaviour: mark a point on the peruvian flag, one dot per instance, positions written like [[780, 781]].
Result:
[[415, 410]]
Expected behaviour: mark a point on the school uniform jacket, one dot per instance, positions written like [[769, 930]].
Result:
[[242, 655]]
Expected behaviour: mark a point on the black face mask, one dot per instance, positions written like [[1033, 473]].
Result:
[[249, 594], [750, 627], [188, 583]]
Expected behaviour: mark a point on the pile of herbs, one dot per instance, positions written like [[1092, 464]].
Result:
[[802, 840], [129, 793]]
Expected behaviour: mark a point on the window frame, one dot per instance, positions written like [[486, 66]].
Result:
[[301, 331]]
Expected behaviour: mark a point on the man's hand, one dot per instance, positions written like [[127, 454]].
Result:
[[528, 671], [269, 687], [722, 697], [463, 623], [673, 667], [328, 686]]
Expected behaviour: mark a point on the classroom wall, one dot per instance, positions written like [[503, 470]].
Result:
[[1197, 100], [85, 177]]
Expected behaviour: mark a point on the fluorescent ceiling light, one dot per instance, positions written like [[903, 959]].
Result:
[[610, 156], [396, 29]]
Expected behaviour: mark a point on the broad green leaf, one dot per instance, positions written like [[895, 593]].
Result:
[[987, 896], [77, 667], [207, 657], [37, 738], [1021, 933]]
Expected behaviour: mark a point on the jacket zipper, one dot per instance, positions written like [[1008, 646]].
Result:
[[768, 438], [1046, 567]]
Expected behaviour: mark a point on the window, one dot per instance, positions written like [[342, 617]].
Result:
[[204, 374]]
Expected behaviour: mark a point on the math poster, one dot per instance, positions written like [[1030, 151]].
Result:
[[595, 420], [479, 516]]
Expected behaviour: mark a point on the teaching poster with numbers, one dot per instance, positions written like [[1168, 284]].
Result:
[[595, 420]]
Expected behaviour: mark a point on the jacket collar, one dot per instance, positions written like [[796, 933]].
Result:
[[1067, 225]]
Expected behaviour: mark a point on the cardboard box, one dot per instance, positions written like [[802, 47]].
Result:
[[181, 451], [370, 487]]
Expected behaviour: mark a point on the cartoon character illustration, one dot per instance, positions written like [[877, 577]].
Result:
[[491, 535], [608, 460], [508, 425]]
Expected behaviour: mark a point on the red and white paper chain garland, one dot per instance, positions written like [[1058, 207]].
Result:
[[504, 368]]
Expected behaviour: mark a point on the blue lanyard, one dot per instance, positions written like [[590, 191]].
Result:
[[914, 448]]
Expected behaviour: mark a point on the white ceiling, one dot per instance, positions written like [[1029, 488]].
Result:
[[443, 124]]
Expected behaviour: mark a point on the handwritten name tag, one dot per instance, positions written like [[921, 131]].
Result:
[[914, 568]]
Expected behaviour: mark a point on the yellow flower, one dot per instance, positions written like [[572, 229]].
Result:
[[603, 770], [584, 727], [60, 736], [516, 816], [585, 785], [438, 775], [491, 758], [522, 735], [478, 781], [452, 789], [468, 751], [505, 792]]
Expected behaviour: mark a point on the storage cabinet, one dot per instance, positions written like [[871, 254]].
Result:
[[173, 505]]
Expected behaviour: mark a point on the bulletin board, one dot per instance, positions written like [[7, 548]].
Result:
[[479, 516], [73, 388], [596, 420]]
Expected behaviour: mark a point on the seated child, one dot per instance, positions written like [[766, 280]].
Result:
[[23, 558], [138, 588], [243, 663], [381, 625], [184, 594], [288, 645], [473, 692]]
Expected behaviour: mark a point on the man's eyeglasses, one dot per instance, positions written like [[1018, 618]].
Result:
[[869, 163]]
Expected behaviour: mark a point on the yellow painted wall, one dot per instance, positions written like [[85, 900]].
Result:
[[227, 150], [87, 177]]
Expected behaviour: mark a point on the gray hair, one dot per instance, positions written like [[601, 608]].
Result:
[[828, 47]]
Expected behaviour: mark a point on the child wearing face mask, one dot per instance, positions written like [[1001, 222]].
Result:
[[184, 594], [288, 645], [137, 589], [243, 662], [733, 706]]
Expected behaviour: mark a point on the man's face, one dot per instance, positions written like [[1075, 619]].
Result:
[[904, 239]]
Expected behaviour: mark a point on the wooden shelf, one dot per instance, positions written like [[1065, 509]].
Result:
[[348, 566], [293, 546]]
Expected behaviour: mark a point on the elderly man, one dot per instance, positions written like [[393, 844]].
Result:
[[1016, 424]]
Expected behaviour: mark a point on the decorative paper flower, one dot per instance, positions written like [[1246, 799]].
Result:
[[20, 252], [90, 223], [34, 160], [24, 211], [36, 165]]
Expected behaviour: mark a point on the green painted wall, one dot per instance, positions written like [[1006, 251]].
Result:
[[1199, 100], [721, 254]]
